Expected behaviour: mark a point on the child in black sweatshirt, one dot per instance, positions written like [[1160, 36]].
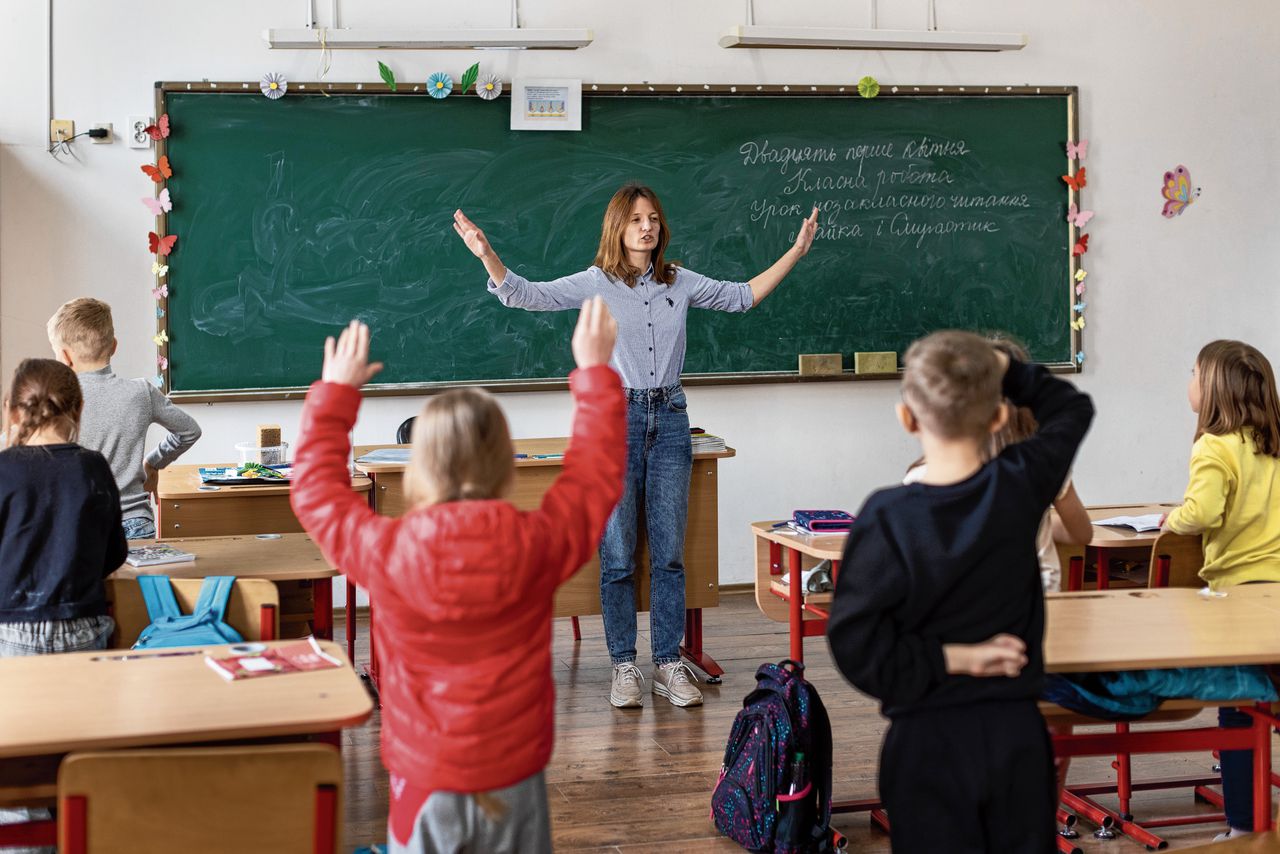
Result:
[[938, 610]]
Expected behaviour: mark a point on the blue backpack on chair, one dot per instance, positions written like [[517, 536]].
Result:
[[170, 627]]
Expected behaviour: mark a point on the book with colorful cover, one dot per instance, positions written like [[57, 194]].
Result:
[[157, 554], [300, 657]]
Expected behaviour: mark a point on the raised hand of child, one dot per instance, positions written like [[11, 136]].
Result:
[[471, 235], [346, 361], [1000, 655], [594, 335]]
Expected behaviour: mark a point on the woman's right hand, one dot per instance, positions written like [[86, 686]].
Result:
[[472, 236], [595, 334]]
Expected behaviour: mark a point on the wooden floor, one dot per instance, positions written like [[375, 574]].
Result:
[[640, 780]]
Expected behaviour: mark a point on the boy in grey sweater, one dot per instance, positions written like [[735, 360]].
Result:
[[117, 411]]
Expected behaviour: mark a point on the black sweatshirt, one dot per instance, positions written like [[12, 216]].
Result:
[[60, 533], [929, 565]]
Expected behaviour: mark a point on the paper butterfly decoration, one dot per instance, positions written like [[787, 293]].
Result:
[[159, 270], [160, 204], [1077, 150], [1077, 217], [1082, 245], [1080, 357], [159, 130], [160, 171], [162, 362], [1178, 192], [1078, 323], [160, 292], [157, 381], [1076, 182], [1081, 274], [1079, 307], [161, 245], [161, 339], [159, 311], [1079, 288]]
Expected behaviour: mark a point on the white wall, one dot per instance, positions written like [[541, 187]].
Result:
[[1162, 83]]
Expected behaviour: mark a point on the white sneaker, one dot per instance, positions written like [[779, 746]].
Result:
[[674, 680], [627, 688], [1232, 833]]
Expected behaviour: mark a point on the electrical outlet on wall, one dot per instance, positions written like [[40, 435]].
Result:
[[137, 132], [61, 129]]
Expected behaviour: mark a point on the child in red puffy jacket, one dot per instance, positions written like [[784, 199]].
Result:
[[463, 584]]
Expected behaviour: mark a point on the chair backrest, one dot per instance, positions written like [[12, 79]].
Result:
[[253, 609], [404, 433], [282, 799], [1176, 560]]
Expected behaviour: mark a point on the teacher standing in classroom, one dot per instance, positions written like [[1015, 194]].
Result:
[[650, 297]]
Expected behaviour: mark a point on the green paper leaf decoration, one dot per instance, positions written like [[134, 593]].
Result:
[[868, 87], [388, 76], [469, 77]]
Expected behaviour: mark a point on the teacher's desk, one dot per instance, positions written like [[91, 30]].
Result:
[[580, 595]]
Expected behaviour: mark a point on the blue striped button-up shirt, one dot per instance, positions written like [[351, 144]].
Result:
[[651, 316]]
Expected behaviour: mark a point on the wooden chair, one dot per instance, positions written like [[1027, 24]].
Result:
[[253, 609], [282, 799], [1176, 560]]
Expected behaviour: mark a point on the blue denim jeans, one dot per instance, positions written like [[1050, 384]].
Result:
[[139, 528], [1237, 773], [659, 461]]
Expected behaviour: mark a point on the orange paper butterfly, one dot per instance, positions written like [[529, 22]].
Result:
[[160, 171], [1082, 245], [1077, 181], [161, 245], [159, 130]]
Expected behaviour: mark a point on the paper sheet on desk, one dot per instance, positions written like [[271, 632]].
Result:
[[386, 455], [1141, 524]]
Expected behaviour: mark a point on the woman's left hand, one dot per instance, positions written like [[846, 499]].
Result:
[[807, 232]]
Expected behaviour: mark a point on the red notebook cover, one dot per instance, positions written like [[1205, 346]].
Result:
[[293, 658]]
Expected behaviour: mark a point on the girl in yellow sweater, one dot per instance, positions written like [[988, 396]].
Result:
[[1233, 500]]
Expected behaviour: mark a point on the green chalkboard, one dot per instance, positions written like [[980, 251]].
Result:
[[293, 216]]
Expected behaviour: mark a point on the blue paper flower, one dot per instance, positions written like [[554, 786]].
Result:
[[273, 85], [439, 85]]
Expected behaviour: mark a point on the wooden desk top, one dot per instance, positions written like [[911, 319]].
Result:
[[821, 546], [1163, 627], [1124, 538], [282, 557], [184, 482], [522, 446], [81, 701]]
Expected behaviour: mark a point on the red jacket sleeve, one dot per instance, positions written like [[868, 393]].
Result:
[[574, 510], [340, 520]]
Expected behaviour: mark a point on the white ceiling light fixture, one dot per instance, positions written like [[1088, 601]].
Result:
[[514, 37], [752, 35]]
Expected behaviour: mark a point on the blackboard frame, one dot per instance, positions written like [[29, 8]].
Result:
[[637, 90]]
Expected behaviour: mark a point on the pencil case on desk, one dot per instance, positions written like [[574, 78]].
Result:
[[823, 520]]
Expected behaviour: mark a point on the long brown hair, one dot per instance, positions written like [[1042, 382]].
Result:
[[45, 393], [611, 257], [1238, 390], [461, 449]]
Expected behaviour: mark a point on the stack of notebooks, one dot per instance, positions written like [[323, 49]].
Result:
[[704, 442]]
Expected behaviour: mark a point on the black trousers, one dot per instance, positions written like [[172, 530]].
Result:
[[974, 778]]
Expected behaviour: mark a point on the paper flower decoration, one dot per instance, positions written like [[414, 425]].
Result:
[[161, 339], [160, 292], [274, 85], [439, 85], [868, 87], [489, 87], [159, 270]]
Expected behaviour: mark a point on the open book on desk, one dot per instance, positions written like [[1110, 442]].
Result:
[[1141, 524]]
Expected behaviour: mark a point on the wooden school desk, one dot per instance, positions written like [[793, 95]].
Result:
[[55, 704], [1106, 541], [279, 558], [184, 510], [580, 595], [781, 554]]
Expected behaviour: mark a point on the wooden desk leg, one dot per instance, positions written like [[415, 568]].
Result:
[[795, 606], [322, 618], [351, 623], [692, 650], [1104, 568]]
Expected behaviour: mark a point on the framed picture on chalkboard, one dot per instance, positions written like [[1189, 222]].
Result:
[[939, 207], [546, 104]]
